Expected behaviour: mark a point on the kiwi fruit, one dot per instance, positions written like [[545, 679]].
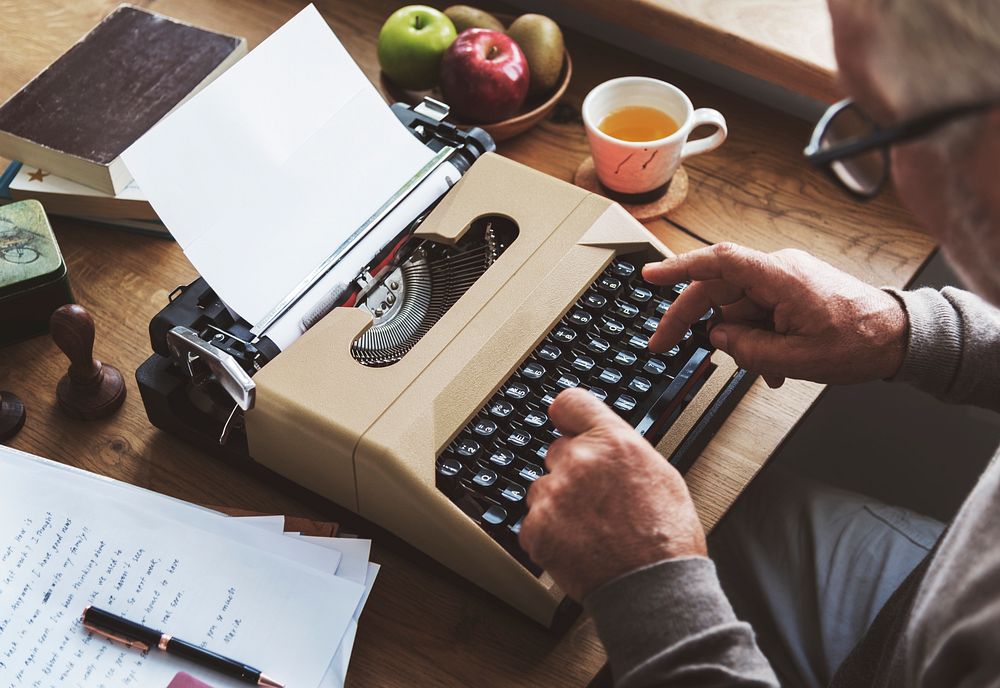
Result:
[[542, 43], [465, 17]]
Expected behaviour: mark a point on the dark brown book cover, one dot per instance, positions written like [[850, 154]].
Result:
[[108, 90]]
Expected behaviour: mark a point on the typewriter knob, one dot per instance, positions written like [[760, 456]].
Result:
[[90, 389]]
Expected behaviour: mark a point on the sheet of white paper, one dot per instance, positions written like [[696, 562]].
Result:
[[272, 524], [67, 542], [336, 675], [191, 515], [265, 172], [355, 553]]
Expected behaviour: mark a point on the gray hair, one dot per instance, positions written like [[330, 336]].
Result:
[[946, 51]]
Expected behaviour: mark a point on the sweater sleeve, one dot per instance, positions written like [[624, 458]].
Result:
[[670, 624], [953, 346]]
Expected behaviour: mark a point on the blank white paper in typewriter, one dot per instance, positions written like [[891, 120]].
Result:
[[264, 173]]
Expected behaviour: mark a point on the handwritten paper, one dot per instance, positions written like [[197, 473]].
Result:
[[68, 540]]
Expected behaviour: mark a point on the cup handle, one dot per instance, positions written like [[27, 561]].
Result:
[[709, 143]]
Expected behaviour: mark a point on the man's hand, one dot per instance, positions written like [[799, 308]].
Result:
[[609, 503], [784, 314]]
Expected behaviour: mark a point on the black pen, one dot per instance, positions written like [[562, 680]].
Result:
[[114, 627]]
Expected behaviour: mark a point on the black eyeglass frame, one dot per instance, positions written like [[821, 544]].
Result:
[[882, 138]]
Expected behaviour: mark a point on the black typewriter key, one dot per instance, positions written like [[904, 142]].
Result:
[[594, 301], [598, 345], [501, 408], [563, 334], [532, 370], [549, 352], [548, 398], [542, 452], [515, 527], [518, 437], [501, 456], [582, 363], [640, 294], [512, 492], [625, 358], [639, 385], [599, 393], [687, 336], [555, 432], [654, 366], [624, 403], [449, 467], [612, 327], [680, 287], [535, 419], [650, 324], [707, 315], [484, 427], [662, 306], [531, 472], [638, 341], [485, 477], [581, 318], [516, 390], [568, 381], [622, 268], [610, 376], [673, 351], [625, 310], [609, 284], [466, 447], [494, 515]]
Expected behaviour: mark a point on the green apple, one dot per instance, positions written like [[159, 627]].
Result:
[[411, 44]]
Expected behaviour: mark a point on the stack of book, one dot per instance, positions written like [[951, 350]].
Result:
[[66, 129]]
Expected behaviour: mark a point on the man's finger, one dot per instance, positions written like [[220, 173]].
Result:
[[687, 308], [761, 351], [575, 411], [744, 310], [556, 453], [754, 271]]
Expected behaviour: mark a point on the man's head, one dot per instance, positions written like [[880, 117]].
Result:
[[901, 58]]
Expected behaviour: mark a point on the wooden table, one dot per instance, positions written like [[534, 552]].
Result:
[[785, 42], [424, 625]]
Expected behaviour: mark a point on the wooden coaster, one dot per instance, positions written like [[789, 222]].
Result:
[[586, 178]]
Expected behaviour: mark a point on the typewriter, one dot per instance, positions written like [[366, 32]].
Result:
[[416, 396]]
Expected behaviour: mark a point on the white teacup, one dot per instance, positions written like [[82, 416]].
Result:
[[645, 167]]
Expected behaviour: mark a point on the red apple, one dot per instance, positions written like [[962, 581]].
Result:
[[484, 76]]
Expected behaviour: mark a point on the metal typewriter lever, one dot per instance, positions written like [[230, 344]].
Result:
[[193, 353], [434, 109]]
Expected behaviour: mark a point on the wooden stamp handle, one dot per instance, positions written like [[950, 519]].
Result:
[[72, 328]]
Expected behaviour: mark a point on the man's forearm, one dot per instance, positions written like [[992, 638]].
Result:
[[671, 624], [953, 346]]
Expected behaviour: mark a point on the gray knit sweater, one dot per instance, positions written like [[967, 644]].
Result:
[[669, 624]]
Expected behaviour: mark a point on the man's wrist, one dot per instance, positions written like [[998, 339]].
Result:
[[895, 334]]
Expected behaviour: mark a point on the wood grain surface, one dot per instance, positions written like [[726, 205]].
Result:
[[785, 42], [424, 625]]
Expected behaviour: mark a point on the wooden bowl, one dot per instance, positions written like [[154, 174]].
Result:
[[533, 111]]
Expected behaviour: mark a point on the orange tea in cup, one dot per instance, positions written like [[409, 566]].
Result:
[[638, 123]]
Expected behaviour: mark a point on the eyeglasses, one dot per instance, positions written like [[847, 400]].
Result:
[[855, 150]]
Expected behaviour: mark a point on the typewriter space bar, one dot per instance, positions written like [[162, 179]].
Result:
[[675, 391]]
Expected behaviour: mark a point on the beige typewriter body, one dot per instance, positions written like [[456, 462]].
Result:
[[367, 438]]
